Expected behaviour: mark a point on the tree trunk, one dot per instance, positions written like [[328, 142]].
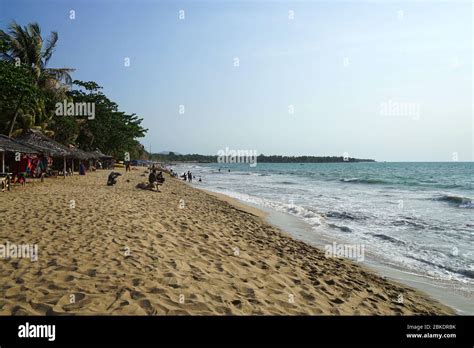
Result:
[[14, 117]]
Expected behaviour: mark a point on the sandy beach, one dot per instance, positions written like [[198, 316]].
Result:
[[181, 251]]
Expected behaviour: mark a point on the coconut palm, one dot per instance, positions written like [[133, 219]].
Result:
[[27, 45]]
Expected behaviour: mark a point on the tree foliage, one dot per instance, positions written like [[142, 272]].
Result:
[[172, 157], [30, 92]]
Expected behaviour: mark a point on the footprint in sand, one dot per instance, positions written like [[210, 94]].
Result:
[[336, 300], [237, 303]]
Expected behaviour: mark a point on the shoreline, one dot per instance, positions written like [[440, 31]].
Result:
[[298, 230], [180, 251]]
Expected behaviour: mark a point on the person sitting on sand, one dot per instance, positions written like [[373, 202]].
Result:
[[152, 177], [184, 176], [159, 178], [145, 186], [112, 179]]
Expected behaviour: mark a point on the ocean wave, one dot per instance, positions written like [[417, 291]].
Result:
[[388, 238], [310, 216], [286, 182], [410, 221], [344, 215], [425, 184], [341, 228], [458, 201], [364, 181], [468, 273]]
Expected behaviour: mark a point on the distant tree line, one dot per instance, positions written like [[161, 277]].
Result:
[[172, 157]]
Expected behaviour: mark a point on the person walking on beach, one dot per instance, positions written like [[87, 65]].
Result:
[[190, 176]]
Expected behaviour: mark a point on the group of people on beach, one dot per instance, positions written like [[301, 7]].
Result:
[[188, 176], [155, 178]]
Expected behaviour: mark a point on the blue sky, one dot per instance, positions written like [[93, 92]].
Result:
[[335, 64]]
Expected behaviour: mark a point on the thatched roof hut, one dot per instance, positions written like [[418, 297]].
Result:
[[40, 142], [102, 155], [11, 145], [80, 154]]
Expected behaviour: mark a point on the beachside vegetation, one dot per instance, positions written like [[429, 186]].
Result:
[[30, 92]]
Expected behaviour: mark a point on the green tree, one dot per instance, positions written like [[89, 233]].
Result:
[[20, 98], [112, 131], [26, 46]]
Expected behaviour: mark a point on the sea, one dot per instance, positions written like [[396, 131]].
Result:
[[417, 218]]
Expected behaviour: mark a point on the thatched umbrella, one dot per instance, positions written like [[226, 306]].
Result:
[[11, 145]]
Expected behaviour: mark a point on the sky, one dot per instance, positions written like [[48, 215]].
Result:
[[387, 80]]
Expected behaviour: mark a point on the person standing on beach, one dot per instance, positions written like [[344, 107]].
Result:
[[190, 176]]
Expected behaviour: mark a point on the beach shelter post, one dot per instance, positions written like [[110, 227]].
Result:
[[64, 171], [3, 161], [72, 167]]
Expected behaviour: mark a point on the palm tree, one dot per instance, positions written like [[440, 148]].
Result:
[[27, 45]]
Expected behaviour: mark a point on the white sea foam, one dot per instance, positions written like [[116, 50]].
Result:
[[388, 208]]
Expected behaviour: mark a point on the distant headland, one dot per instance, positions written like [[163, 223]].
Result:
[[175, 157]]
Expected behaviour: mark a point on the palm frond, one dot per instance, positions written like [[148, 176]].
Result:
[[60, 74], [49, 48]]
